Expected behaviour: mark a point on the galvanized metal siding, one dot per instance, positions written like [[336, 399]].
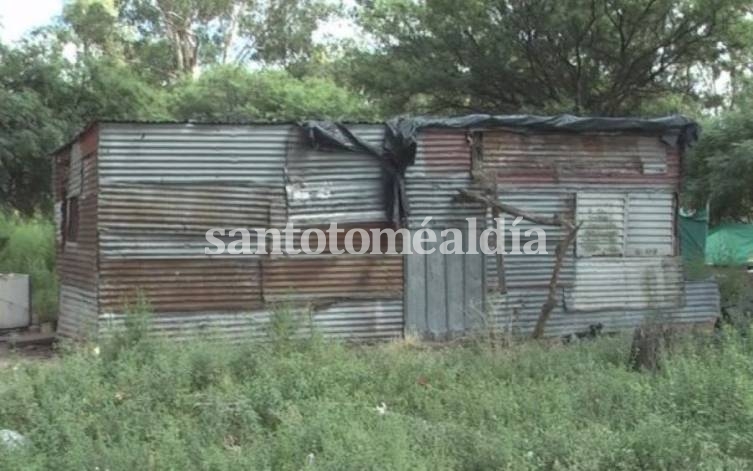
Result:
[[626, 283], [442, 167], [651, 225], [328, 186], [192, 153], [444, 293], [163, 186], [552, 157], [437, 198], [367, 320], [534, 270], [518, 311]]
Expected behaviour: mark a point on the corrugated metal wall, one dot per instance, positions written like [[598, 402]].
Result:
[[515, 157], [164, 185], [517, 312], [444, 293], [622, 188], [151, 191], [75, 176], [339, 186]]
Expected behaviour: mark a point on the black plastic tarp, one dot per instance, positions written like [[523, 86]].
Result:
[[398, 151]]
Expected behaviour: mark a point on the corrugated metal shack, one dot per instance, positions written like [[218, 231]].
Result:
[[134, 201]]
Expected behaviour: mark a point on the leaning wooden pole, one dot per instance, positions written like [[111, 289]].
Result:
[[560, 252], [551, 300]]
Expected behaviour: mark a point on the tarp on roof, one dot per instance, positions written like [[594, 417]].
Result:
[[402, 132], [730, 245], [398, 150]]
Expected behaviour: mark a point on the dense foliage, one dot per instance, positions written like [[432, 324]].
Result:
[[603, 57], [136, 404], [720, 168]]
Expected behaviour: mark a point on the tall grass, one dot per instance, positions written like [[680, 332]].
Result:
[[27, 245], [311, 404]]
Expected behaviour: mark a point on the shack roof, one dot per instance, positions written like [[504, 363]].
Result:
[[402, 131]]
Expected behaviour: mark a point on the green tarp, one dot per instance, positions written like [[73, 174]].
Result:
[[730, 244], [693, 228]]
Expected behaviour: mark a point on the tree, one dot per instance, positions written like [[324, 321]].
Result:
[[602, 57], [29, 83], [720, 168], [205, 32], [231, 93]]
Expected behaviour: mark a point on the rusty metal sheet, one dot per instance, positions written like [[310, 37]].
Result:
[[185, 208], [77, 260], [78, 311], [181, 285], [553, 157], [442, 154], [302, 278]]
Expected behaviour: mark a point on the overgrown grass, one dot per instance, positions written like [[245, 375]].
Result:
[[28, 246], [311, 404]]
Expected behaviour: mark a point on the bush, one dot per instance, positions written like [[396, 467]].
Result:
[[321, 405], [27, 246]]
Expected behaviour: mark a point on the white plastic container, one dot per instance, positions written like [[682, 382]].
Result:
[[15, 301]]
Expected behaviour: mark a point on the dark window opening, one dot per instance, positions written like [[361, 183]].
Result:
[[72, 227]]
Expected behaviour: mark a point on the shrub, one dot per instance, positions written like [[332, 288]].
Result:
[[27, 246], [324, 405]]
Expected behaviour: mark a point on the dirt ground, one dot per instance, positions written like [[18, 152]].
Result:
[[15, 350]]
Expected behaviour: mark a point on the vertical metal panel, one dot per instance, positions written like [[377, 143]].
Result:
[[554, 157], [444, 294], [336, 186], [75, 171]]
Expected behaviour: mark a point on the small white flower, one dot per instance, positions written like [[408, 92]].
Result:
[[310, 459], [529, 455], [381, 408], [95, 351]]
